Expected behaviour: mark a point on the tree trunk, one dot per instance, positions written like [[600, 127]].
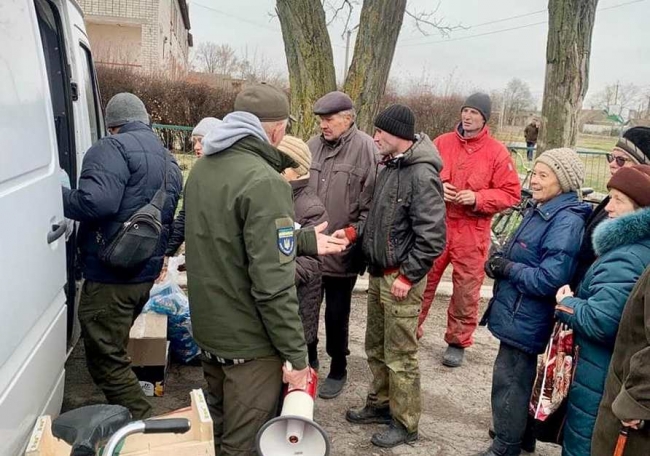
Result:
[[568, 49], [380, 23], [309, 58]]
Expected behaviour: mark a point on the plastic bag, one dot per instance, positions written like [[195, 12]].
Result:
[[169, 299]]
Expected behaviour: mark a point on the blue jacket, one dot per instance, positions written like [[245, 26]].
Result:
[[622, 248], [543, 250], [120, 174]]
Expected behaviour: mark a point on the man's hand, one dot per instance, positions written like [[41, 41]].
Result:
[[466, 198], [450, 192], [163, 272], [563, 292], [296, 379], [634, 424], [400, 289], [328, 245]]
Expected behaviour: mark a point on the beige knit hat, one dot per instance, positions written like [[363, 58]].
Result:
[[298, 151], [567, 166]]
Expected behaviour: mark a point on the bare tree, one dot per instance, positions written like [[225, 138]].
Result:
[[516, 100], [617, 98], [217, 58], [309, 52], [568, 50]]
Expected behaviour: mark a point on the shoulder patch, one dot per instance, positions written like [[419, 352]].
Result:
[[286, 240]]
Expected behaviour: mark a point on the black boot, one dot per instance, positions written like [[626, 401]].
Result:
[[369, 415], [453, 356], [332, 387], [395, 435]]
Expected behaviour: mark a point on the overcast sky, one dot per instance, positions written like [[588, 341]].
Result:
[[484, 56]]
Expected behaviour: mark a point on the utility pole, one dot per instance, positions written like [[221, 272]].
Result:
[[347, 56]]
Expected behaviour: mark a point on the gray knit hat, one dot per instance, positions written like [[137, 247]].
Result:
[[481, 102], [567, 166], [205, 125], [124, 108]]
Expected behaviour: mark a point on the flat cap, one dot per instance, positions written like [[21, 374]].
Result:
[[332, 102], [264, 101]]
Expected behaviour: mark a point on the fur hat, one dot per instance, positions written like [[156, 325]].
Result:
[[567, 166], [398, 120], [634, 181], [297, 150], [124, 108]]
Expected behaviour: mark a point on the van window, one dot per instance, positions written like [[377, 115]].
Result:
[[92, 97]]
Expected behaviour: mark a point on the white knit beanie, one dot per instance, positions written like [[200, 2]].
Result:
[[205, 125], [567, 166], [298, 151]]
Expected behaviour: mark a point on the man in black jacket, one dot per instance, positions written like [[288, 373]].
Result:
[[121, 173], [401, 237]]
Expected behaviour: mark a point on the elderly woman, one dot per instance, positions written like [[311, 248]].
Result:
[[622, 246], [633, 148], [310, 211], [540, 257]]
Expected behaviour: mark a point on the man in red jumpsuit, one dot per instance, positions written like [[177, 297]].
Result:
[[480, 180]]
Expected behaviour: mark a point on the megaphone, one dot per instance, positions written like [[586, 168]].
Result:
[[294, 432]]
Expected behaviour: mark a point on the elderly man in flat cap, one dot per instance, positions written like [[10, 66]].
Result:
[[241, 248], [343, 173]]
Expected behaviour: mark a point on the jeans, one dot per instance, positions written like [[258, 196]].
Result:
[[512, 384], [530, 150], [338, 297]]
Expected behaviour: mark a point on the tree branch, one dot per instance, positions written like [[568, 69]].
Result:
[[350, 4], [424, 20]]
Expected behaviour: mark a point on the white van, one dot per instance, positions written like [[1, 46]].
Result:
[[49, 116]]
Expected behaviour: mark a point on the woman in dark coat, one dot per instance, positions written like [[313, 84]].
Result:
[[540, 257], [627, 390], [309, 211], [622, 246]]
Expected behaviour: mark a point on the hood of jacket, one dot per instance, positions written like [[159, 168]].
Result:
[[423, 151], [563, 201], [625, 230], [235, 126]]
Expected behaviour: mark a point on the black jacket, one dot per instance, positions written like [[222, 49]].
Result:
[[586, 255], [405, 227], [310, 211], [120, 174], [177, 236]]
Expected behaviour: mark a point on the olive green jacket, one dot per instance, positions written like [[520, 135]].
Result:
[[240, 249]]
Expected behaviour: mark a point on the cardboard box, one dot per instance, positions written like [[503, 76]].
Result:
[[149, 352], [199, 441]]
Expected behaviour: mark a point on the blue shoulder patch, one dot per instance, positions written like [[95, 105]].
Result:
[[286, 240]]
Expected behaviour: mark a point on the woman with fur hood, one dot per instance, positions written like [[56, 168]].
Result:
[[622, 246]]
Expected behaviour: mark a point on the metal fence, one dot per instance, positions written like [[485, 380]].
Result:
[[178, 139]]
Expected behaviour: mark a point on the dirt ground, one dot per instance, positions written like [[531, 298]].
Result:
[[455, 402]]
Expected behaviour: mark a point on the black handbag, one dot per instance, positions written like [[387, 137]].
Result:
[[136, 240]]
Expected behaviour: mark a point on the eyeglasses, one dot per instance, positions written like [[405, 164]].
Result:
[[620, 161]]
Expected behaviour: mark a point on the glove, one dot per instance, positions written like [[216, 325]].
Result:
[[498, 267]]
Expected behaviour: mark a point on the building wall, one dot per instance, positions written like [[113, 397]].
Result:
[[116, 43], [156, 20]]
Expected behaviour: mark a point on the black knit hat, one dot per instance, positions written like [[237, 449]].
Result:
[[481, 102], [398, 120], [640, 137]]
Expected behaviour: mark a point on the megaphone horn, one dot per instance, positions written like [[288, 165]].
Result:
[[294, 432]]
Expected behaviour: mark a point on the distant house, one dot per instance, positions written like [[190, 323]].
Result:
[[151, 35], [218, 81]]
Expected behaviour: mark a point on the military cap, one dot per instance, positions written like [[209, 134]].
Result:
[[266, 102], [332, 102]]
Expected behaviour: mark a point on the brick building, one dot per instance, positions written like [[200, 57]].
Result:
[[153, 35]]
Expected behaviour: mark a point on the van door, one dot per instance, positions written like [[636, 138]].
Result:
[[32, 235]]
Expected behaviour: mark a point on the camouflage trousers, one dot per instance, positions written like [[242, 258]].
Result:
[[391, 347]]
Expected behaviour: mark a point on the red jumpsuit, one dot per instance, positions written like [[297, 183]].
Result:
[[481, 164]]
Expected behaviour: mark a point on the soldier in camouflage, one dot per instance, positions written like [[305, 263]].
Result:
[[402, 235]]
